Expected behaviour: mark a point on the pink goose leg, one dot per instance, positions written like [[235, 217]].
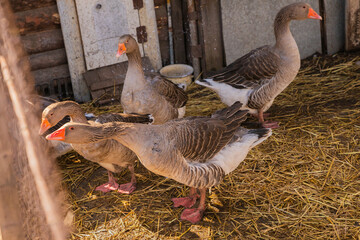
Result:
[[109, 186], [128, 188], [266, 124], [187, 202], [194, 215]]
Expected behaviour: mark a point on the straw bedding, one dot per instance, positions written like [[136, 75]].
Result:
[[302, 183]]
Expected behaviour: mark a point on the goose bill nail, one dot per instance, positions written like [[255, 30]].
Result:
[[121, 50], [312, 14], [57, 135]]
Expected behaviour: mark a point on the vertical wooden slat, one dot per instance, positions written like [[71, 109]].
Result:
[[151, 47], [162, 29], [213, 48], [322, 11], [193, 30], [352, 23], [74, 48], [178, 31]]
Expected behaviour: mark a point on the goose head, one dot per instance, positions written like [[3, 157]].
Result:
[[299, 11], [80, 133], [77, 133], [55, 112], [127, 44]]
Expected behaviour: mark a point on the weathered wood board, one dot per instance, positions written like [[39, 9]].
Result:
[[48, 59], [43, 41], [352, 25], [39, 19], [212, 40], [101, 24]]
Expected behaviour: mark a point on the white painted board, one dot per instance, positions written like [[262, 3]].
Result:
[[102, 22]]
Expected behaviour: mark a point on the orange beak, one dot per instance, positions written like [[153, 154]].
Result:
[[121, 50], [45, 125], [312, 14], [57, 135]]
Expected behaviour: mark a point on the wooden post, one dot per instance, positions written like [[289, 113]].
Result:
[[213, 47], [352, 22], [74, 49], [151, 47], [178, 31], [194, 43], [15, 72], [322, 11], [10, 214]]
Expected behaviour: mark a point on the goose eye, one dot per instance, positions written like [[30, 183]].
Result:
[[51, 114], [71, 128], [304, 7]]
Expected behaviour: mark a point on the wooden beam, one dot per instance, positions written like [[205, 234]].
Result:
[[151, 47], [43, 41], [74, 48], [45, 76], [213, 47], [162, 28], [352, 23], [178, 31], [21, 5], [38, 19], [193, 34], [48, 59], [322, 11]]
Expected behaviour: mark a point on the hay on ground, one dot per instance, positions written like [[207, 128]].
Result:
[[302, 183]]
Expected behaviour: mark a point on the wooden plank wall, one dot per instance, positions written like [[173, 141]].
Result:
[[208, 16], [352, 25], [211, 36], [162, 25], [179, 35], [39, 26]]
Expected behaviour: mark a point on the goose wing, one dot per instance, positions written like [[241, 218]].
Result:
[[251, 70], [200, 138], [172, 93], [122, 117]]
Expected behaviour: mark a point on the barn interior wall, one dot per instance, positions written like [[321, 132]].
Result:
[[39, 26]]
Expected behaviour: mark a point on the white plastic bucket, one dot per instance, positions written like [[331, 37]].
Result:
[[180, 74]]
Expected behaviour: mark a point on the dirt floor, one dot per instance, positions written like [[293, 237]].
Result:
[[302, 183]]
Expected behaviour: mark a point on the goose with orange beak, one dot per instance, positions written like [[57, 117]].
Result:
[[258, 77], [109, 154], [195, 151], [148, 93]]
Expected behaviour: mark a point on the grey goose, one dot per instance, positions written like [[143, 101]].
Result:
[[151, 93], [258, 77], [195, 151], [108, 153]]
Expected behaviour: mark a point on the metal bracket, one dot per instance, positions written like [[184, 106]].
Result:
[[138, 4], [141, 34]]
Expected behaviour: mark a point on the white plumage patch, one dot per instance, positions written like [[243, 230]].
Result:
[[233, 154], [108, 166], [228, 94]]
